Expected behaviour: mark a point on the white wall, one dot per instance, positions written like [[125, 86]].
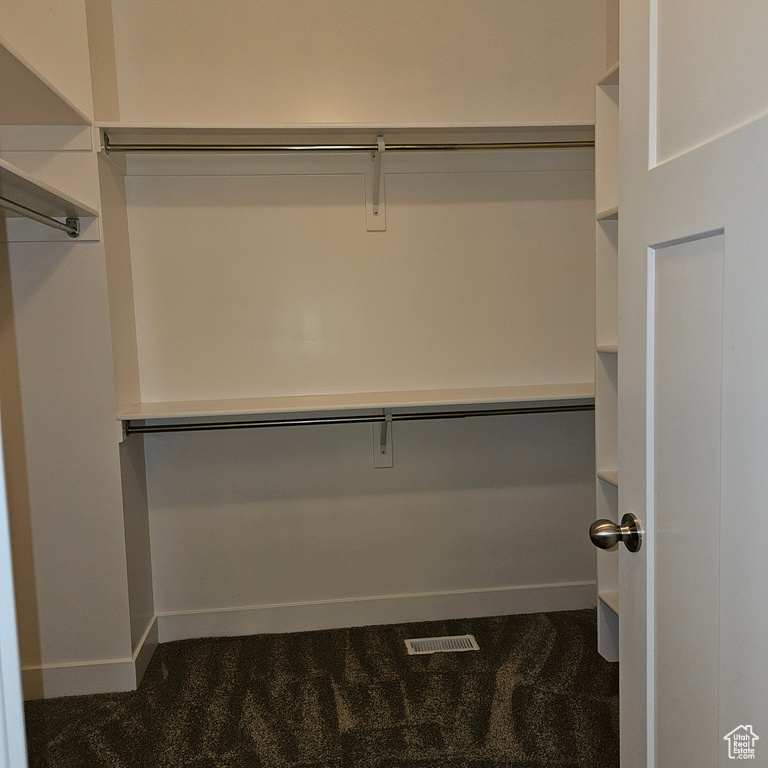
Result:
[[344, 61], [271, 522], [252, 280]]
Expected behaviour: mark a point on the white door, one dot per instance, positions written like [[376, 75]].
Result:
[[693, 381], [13, 748]]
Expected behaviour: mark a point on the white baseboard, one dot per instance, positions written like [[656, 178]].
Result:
[[112, 675], [387, 609], [48, 681], [145, 648]]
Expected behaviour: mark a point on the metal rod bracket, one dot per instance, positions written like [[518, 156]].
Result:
[[377, 158], [376, 216], [71, 227], [385, 425], [382, 449], [73, 222]]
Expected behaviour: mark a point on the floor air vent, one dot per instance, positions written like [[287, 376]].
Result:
[[444, 644]]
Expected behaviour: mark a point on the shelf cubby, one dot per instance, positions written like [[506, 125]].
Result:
[[607, 152], [611, 77]]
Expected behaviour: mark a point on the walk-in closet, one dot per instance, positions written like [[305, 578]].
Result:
[[315, 326]]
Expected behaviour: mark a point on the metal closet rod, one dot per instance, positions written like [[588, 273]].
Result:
[[457, 147], [71, 227], [131, 429]]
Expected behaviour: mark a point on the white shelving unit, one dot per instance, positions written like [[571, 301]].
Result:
[[233, 282], [607, 349], [28, 98]]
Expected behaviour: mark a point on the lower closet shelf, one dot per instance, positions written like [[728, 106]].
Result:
[[537, 393], [581, 393]]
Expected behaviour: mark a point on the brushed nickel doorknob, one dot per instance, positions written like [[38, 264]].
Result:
[[606, 534]]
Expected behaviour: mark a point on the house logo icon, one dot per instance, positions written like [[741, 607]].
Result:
[[741, 743]]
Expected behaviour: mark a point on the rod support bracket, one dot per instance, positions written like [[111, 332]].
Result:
[[73, 222], [386, 425], [376, 214], [382, 443]]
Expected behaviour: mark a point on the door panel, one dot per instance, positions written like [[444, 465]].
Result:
[[686, 303], [693, 411], [711, 66]]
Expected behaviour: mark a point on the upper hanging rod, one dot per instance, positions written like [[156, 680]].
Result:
[[457, 147], [131, 429], [71, 227]]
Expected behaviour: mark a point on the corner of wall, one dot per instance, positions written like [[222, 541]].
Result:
[[101, 46]]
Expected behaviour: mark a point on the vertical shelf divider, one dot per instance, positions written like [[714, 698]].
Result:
[[607, 350]]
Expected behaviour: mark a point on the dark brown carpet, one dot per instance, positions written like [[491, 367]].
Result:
[[536, 694]]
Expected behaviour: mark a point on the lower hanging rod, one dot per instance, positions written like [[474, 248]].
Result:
[[71, 227], [110, 147], [132, 429]]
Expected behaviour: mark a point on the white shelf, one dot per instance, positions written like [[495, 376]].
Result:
[[611, 477], [27, 98], [164, 133], [611, 77], [120, 127], [608, 349], [31, 192], [609, 214], [544, 393], [611, 599]]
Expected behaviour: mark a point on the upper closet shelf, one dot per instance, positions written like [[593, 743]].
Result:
[[27, 98], [22, 194], [122, 137], [555, 394], [611, 77]]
